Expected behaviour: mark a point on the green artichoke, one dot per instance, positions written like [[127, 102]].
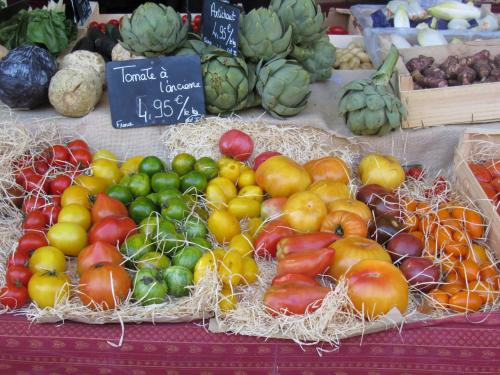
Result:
[[192, 46], [153, 29], [226, 82], [304, 16], [320, 62], [283, 86], [368, 105], [263, 36]]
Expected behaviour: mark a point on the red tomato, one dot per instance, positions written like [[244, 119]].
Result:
[[41, 167], [482, 174], [37, 182], [184, 18], [56, 200], [51, 212], [493, 167], [22, 176], [415, 172], [196, 28], [94, 24], [59, 184], [489, 190], [18, 259], [16, 275], [81, 158], [496, 184], [77, 144], [337, 30], [236, 144], [13, 296], [113, 22], [98, 252], [57, 155], [197, 19], [30, 242], [113, 230], [33, 203], [266, 242], [262, 157], [35, 220], [105, 206]]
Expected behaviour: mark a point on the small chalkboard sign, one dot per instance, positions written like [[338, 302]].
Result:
[[82, 10], [220, 23], [155, 91]]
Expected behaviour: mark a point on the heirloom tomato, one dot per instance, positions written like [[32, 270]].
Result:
[[344, 224], [304, 211], [105, 206], [351, 205], [92, 183], [329, 191], [107, 170], [70, 238], [262, 157], [76, 214], [223, 225], [383, 170], [13, 296], [268, 237], [18, 275], [236, 144], [76, 195], [47, 258], [48, 289], [98, 252], [328, 168], [112, 230]]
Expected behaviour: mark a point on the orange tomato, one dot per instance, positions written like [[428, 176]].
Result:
[[418, 234], [422, 207], [459, 236], [478, 254], [427, 224], [489, 274], [351, 205], [443, 213], [344, 224], [304, 211], [329, 191], [472, 221], [465, 301], [468, 270], [444, 235], [453, 283], [431, 246], [439, 298], [483, 289], [329, 167], [411, 222], [409, 205], [456, 249]]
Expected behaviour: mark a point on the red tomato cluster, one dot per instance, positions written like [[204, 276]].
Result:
[[195, 23], [488, 176], [102, 26]]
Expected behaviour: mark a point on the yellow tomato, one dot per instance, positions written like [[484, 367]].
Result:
[[242, 207], [247, 178], [215, 197], [250, 270], [384, 170], [107, 170], [205, 264], [76, 195], [223, 160], [304, 211], [223, 225], [104, 155], [219, 253], [47, 258], [230, 170], [230, 268], [243, 244], [226, 185], [254, 226], [131, 165], [48, 289], [253, 192], [74, 213], [228, 300], [351, 205], [70, 238], [92, 183], [329, 191]]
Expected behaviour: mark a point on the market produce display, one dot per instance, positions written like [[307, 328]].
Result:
[[455, 70], [101, 38]]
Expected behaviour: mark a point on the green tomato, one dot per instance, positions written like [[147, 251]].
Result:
[[120, 192], [125, 181], [177, 279], [153, 197], [188, 257], [149, 287], [177, 209], [136, 246], [166, 195], [149, 226], [202, 243], [153, 259], [141, 208], [194, 227], [151, 165], [207, 166], [193, 182], [167, 240], [139, 185], [183, 163], [165, 180]]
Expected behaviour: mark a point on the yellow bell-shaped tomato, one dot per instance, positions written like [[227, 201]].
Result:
[[242, 207], [215, 197], [351, 205], [253, 192], [280, 176], [383, 170], [76, 195], [104, 155], [223, 225], [329, 190], [304, 211], [94, 184], [207, 263]]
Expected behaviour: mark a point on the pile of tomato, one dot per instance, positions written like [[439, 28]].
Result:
[[488, 176]]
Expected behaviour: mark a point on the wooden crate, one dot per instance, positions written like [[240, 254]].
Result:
[[472, 141], [471, 104]]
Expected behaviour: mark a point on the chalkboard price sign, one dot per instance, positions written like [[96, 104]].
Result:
[[155, 91], [220, 23]]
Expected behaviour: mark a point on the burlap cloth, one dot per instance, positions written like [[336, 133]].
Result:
[[432, 147]]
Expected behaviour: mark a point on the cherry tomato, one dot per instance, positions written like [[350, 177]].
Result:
[[37, 182], [59, 184], [18, 275], [77, 144], [13, 296], [51, 212], [41, 167], [18, 259], [184, 18], [81, 158], [113, 22], [22, 176], [30, 242], [337, 30], [197, 19], [57, 155], [35, 220], [33, 203], [94, 24]]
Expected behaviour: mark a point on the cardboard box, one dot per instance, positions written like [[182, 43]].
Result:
[[341, 17], [470, 104]]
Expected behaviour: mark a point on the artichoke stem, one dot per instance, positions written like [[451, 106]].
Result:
[[384, 73]]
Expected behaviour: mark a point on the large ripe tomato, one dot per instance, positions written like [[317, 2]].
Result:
[[70, 238], [13, 296], [329, 191], [104, 285], [105, 206], [236, 144], [351, 205], [481, 173], [382, 170], [30, 242], [280, 176], [47, 258], [304, 211], [76, 195], [107, 170], [58, 184], [48, 289], [328, 168], [18, 275], [375, 287], [112, 230], [344, 224], [98, 252], [76, 214], [352, 250], [36, 221], [262, 157], [57, 155]]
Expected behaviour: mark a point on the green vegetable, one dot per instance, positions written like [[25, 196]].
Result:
[[193, 46], [283, 86], [177, 279], [450, 10], [152, 30], [321, 59], [149, 287], [263, 36], [368, 105]]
